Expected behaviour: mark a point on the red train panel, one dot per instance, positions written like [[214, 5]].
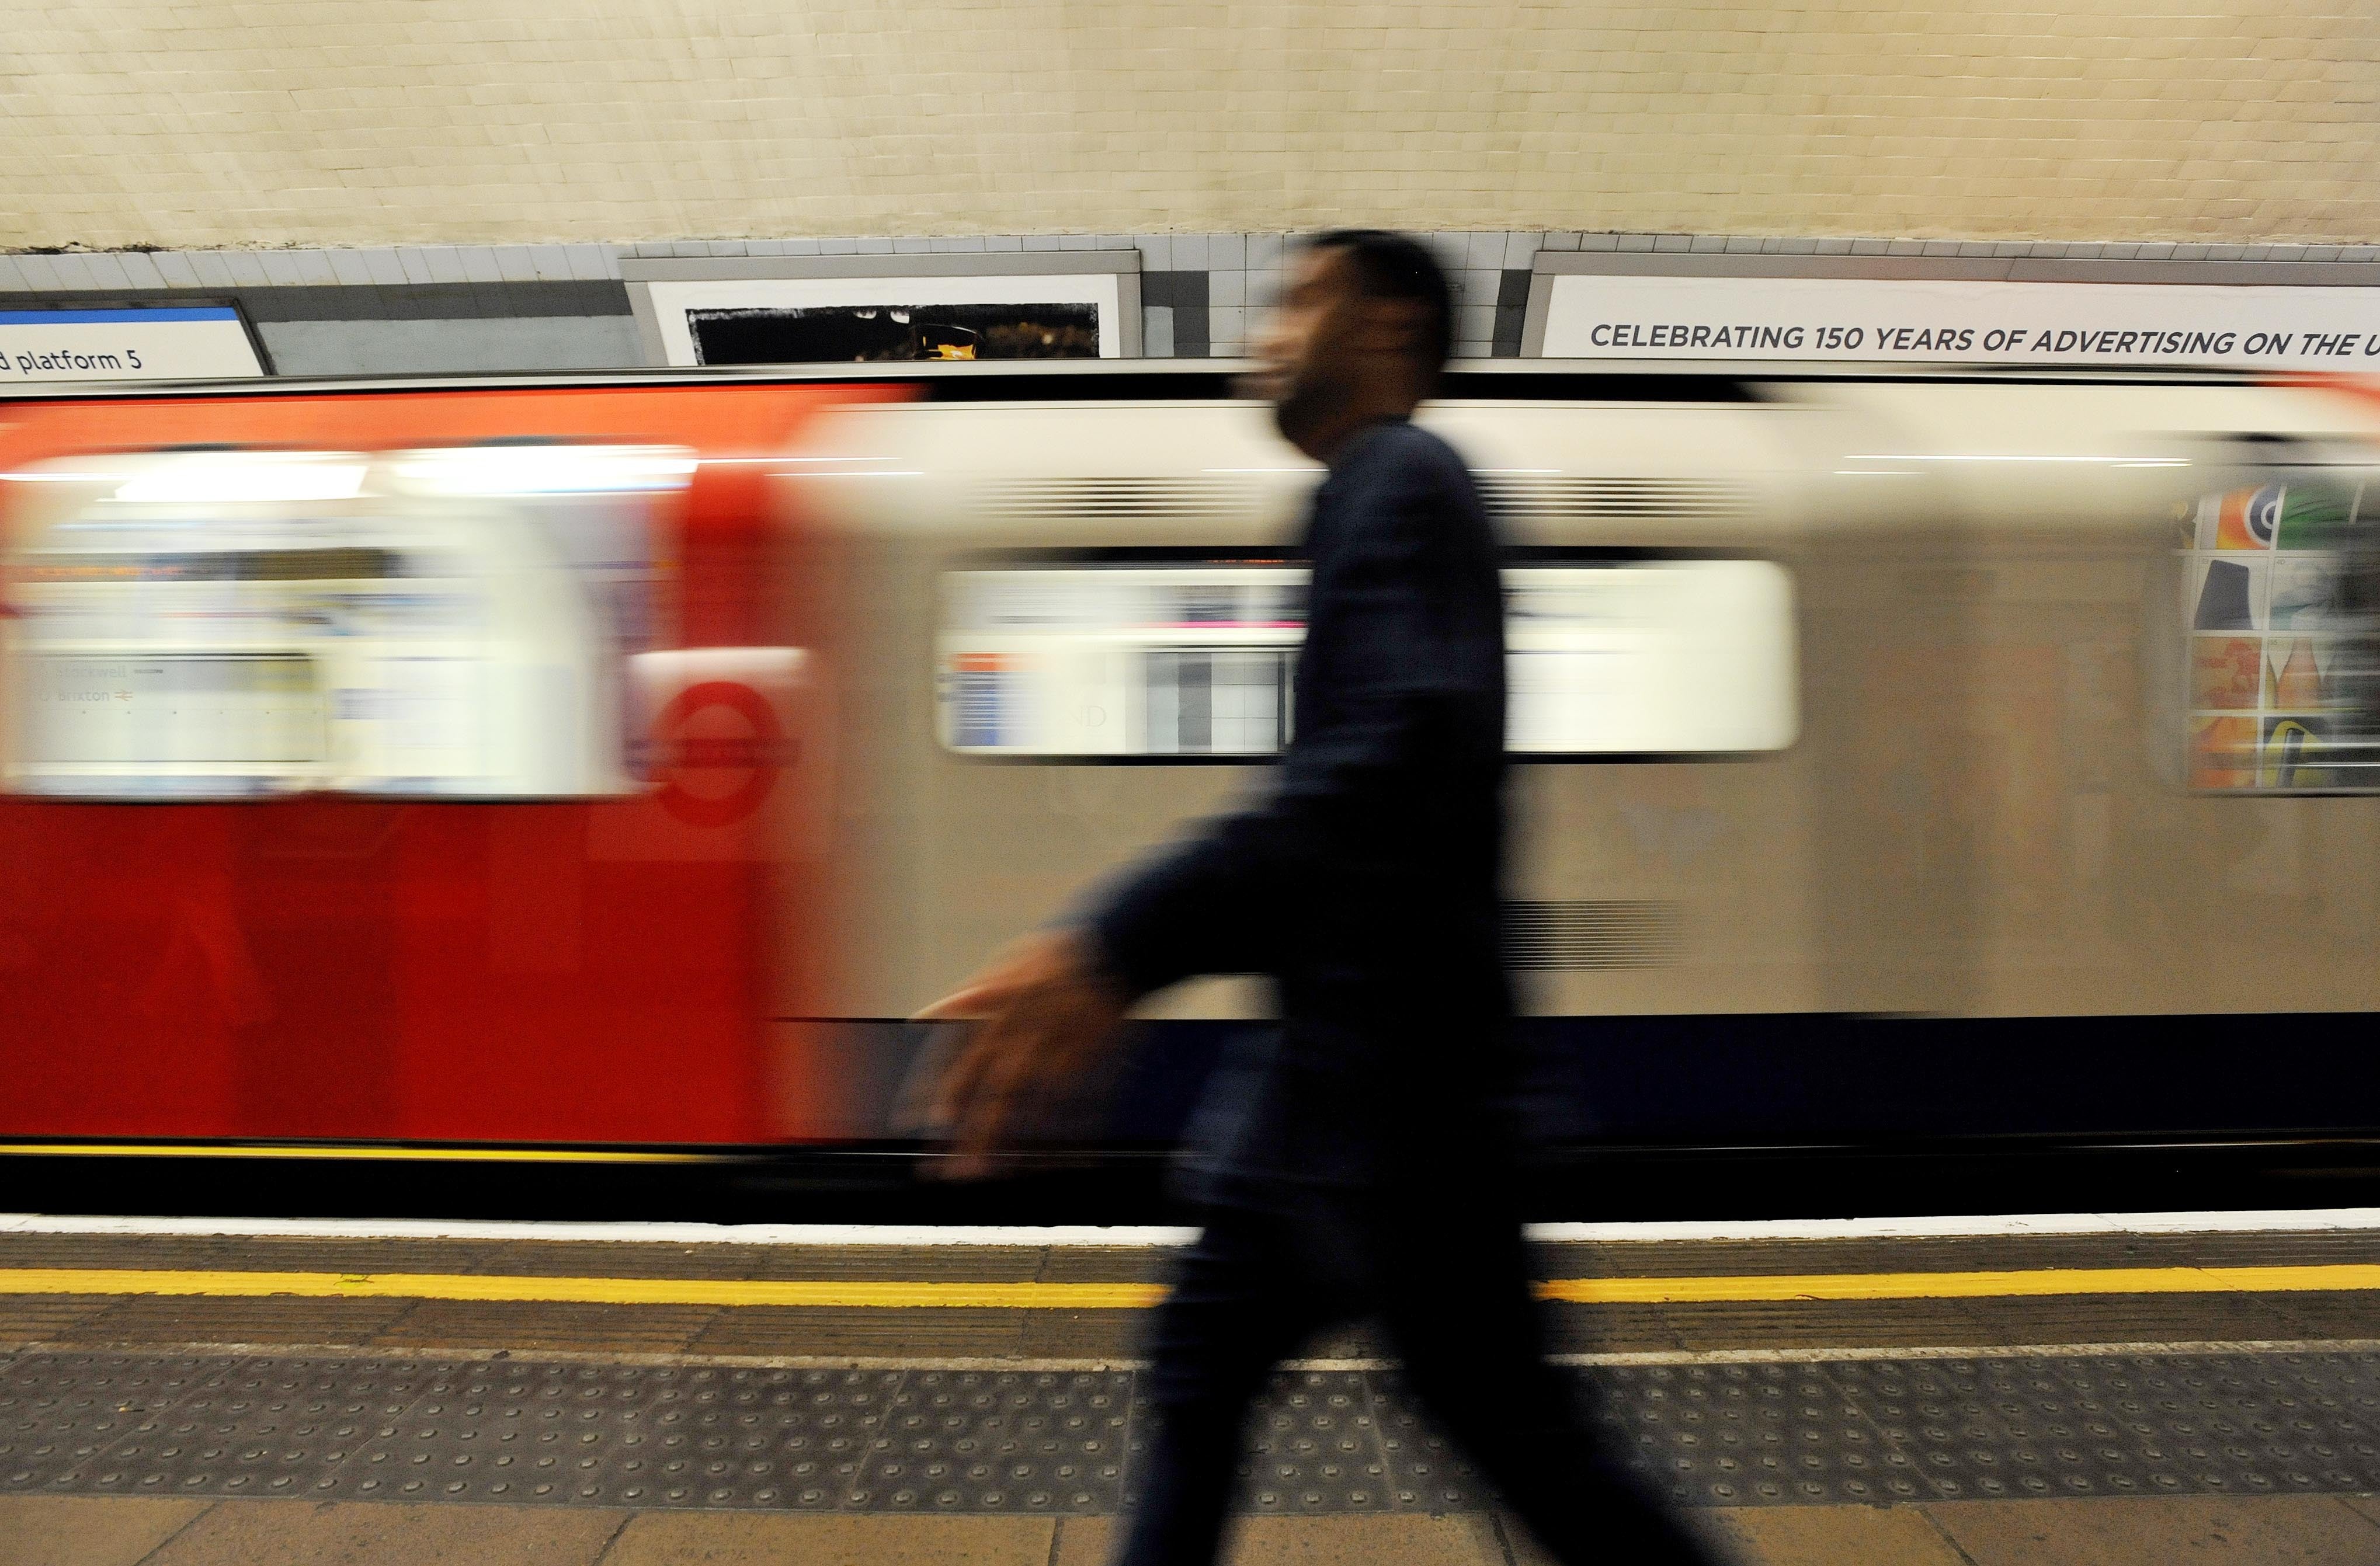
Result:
[[322, 965]]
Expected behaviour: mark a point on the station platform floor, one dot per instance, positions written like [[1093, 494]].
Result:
[[1952, 1392]]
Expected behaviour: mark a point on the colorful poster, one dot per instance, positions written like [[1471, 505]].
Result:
[[2271, 650], [2315, 517], [2248, 518], [2222, 753], [2291, 680], [2230, 596], [2223, 671], [2301, 593], [2293, 753]]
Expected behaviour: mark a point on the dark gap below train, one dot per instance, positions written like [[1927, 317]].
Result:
[[1990, 1175], [1734, 1117]]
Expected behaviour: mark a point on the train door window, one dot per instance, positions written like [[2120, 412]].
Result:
[[1649, 656], [2276, 584], [1191, 660], [1184, 660], [230, 623]]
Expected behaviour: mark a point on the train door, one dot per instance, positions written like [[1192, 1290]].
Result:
[[398, 767]]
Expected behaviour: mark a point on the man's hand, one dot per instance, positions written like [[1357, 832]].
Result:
[[1043, 1013]]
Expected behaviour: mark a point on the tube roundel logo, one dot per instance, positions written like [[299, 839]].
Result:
[[721, 744]]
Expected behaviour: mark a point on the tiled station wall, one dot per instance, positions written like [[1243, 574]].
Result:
[[237, 123], [461, 307]]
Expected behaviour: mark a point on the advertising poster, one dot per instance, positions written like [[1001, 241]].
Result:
[[2272, 645], [1956, 321], [878, 319]]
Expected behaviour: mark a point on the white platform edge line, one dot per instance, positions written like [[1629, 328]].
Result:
[[2334, 1219], [1954, 1226]]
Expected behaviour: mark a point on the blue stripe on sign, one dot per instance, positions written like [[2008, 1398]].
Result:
[[126, 317]]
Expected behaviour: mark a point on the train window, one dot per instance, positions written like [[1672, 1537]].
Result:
[[1191, 661], [2278, 602], [440, 623], [1180, 660], [1650, 657]]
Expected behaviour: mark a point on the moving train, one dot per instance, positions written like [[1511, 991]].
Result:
[[615, 761]]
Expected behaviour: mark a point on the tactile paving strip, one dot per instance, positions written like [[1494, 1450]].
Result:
[[1877, 1431], [1316, 1444], [360, 1428], [964, 1440]]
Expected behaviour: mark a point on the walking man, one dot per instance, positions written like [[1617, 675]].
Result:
[[1368, 1165]]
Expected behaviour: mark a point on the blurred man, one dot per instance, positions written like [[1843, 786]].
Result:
[[1367, 1164]]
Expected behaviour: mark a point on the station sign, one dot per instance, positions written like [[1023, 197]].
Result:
[[1970, 321], [178, 342]]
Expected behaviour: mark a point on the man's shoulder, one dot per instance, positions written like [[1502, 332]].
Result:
[[1401, 453], [1403, 443]]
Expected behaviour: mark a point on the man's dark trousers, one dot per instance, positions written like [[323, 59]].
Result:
[[1441, 1261]]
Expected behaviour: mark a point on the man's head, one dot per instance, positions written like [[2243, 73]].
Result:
[[1361, 331]]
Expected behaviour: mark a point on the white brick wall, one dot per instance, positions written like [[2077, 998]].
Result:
[[200, 123]]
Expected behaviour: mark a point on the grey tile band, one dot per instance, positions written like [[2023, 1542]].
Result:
[[1201, 293], [1185, 294], [1322, 1441]]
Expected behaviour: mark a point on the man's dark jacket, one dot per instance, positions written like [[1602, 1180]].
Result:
[[1364, 878]]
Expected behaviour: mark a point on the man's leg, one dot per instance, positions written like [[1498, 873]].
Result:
[[1462, 1316], [1236, 1309]]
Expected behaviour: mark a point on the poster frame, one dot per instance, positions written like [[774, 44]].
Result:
[[642, 273]]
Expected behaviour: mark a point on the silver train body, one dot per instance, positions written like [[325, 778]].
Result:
[[1945, 828]]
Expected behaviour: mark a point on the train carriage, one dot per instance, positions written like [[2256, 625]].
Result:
[[1898, 755]]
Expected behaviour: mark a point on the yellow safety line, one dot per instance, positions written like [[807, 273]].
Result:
[[583, 1291], [851, 1294], [1964, 1285], [417, 1155]]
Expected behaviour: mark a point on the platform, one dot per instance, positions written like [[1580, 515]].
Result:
[[2053, 1390]]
